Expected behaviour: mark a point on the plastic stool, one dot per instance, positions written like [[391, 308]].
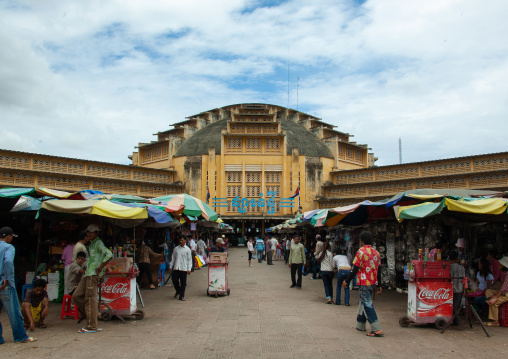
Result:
[[67, 310], [503, 314]]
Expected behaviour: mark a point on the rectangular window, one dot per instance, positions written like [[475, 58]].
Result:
[[273, 177], [234, 191], [272, 143], [253, 177], [234, 142], [253, 191], [253, 143], [234, 176]]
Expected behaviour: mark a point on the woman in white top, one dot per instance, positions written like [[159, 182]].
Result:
[[325, 258], [342, 268], [250, 248], [484, 281]]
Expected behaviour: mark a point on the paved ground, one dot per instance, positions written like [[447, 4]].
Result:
[[262, 318]]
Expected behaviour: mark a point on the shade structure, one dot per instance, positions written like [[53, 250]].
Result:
[[335, 215], [16, 192], [192, 206], [104, 208], [483, 209], [158, 213], [318, 218], [126, 198], [27, 203]]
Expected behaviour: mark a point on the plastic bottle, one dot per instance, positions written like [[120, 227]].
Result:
[[420, 254], [426, 254], [439, 254], [115, 252], [120, 252]]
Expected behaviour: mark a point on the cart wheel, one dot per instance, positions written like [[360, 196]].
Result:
[[216, 295], [228, 291], [106, 316], [139, 314], [404, 322], [440, 323]]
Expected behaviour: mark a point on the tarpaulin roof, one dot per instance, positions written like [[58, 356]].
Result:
[[103, 208], [484, 209], [158, 213]]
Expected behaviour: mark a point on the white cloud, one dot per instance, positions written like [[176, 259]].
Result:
[[92, 79]]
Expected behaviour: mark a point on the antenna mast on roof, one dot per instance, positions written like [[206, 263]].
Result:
[[400, 150], [288, 76]]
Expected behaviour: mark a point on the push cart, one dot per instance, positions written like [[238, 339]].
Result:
[[218, 274], [430, 294], [118, 291]]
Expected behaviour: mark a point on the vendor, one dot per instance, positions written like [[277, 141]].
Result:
[[219, 246], [497, 297], [35, 306], [144, 255], [75, 273], [494, 268]]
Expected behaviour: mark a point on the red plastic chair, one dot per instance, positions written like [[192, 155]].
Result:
[[67, 310]]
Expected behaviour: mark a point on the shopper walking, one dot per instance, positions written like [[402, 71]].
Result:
[[296, 262], [181, 266], [325, 259], [260, 246], [8, 295], [366, 267], [250, 248], [342, 267], [269, 251], [316, 266]]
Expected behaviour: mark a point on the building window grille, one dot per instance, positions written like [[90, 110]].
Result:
[[234, 142], [272, 177], [253, 143], [234, 176], [273, 143], [253, 177]]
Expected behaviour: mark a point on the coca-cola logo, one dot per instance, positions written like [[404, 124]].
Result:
[[117, 288], [440, 293]]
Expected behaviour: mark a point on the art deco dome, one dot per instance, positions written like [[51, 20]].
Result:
[[297, 136]]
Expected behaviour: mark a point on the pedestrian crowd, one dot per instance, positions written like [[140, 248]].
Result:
[[322, 263]]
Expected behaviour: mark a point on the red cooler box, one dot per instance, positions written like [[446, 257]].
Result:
[[432, 270]]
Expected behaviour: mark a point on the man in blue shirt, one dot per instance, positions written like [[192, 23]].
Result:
[[8, 295], [260, 246]]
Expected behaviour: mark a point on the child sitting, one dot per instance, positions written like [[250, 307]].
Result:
[[35, 306]]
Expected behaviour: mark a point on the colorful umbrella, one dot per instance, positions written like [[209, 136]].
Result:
[[192, 206]]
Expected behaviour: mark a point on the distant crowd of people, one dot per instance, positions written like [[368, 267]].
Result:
[[325, 265]]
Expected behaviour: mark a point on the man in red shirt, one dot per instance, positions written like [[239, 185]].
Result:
[[366, 268]]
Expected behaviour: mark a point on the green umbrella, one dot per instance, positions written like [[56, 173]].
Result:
[[192, 206]]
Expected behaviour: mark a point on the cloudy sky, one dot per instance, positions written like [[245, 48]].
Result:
[[90, 79]]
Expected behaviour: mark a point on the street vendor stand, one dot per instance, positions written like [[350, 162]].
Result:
[[118, 290], [430, 294], [218, 274]]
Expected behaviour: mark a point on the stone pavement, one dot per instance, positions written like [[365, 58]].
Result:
[[262, 318]]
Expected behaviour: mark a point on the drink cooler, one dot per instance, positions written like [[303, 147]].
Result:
[[218, 275], [118, 291], [430, 294]]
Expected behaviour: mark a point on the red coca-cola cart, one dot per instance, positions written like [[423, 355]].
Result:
[[118, 291], [218, 274], [430, 294]]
